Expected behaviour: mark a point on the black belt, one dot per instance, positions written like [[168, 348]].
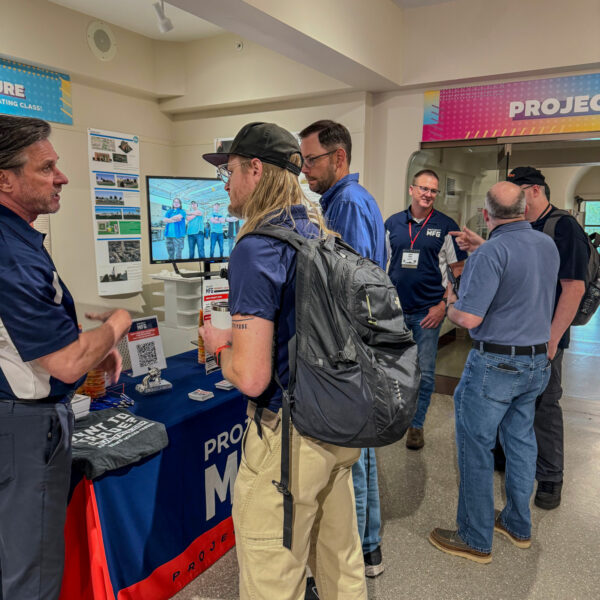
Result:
[[502, 349]]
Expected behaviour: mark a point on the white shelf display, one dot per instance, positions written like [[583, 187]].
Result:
[[183, 300]]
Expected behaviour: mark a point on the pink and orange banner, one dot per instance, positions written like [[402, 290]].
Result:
[[520, 108]]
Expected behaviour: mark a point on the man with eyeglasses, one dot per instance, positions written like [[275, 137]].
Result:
[[353, 213], [421, 248], [261, 173], [573, 250]]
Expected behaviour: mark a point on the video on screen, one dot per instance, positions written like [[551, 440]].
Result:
[[188, 220]]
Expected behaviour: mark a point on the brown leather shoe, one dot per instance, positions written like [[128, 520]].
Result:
[[518, 542], [415, 439], [451, 543]]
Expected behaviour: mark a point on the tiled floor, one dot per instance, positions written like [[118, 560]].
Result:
[[419, 492]]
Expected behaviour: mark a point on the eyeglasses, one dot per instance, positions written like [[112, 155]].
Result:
[[224, 173], [309, 161], [426, 190]]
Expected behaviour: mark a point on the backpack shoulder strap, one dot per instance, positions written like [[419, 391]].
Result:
[[553, 219], [285, 234]]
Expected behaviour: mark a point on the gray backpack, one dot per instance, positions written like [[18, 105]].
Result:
[[591, 297], [354, 377]]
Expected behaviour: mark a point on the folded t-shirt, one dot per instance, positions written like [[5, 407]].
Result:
[[112, 438]]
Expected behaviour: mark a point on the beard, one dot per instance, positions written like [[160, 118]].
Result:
[[42, 204], [235, 211], [320, 186]]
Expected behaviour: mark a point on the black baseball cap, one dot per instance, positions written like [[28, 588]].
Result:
[[526, 175], [266, 141]]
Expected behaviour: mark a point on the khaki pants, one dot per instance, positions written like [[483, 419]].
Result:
[[325, 533]]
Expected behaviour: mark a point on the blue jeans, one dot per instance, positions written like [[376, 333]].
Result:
[[196, 240], [496, 391], [366, 493], [427, 343], [216, 238]]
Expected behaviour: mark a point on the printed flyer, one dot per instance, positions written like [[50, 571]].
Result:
[[145, 346], [114, 164]]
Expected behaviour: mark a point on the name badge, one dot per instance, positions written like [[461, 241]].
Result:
[[410, 259]]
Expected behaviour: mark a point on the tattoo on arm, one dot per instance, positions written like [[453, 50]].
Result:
[[241, 323]]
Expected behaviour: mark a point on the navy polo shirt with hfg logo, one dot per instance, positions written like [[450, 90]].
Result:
[[37, 313], [422, 286]]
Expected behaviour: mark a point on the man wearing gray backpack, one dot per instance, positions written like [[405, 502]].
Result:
[[353, 213], [261, 176]]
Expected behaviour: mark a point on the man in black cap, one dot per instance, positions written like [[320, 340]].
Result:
[[574, 254], [260, 172]]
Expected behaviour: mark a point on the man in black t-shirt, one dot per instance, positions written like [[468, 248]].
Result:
[[573, 249], [574, 254]]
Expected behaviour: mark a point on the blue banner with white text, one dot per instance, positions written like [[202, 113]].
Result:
[[28, 91]]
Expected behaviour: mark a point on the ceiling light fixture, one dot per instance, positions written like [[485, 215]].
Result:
[[164, 23]]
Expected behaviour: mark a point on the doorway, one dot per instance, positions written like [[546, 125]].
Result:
[[572, 170]]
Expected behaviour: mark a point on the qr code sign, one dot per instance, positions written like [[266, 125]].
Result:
[[147, 354]]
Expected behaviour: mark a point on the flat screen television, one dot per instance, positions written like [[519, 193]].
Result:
[[188, 220]]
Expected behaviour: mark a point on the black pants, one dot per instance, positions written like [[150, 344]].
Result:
[[35, 471], [548, 426]]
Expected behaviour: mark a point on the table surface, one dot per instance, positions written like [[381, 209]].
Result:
[[176, 504]]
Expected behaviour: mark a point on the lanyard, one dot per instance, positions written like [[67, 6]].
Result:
[[544, 213], [412, 241]]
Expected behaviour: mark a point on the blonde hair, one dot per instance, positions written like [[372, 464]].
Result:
[[276, 192]]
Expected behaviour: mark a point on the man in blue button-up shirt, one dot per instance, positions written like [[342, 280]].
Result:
[[353, 213]]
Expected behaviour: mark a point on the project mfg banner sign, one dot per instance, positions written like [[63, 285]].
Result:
[[28, 91], [520, 108]]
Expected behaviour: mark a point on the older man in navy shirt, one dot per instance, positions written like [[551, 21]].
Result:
[[506, 301], [353, 213], [43, 358]]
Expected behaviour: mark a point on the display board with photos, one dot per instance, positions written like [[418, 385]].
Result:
[[114, 167]]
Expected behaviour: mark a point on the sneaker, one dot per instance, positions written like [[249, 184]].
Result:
[[451, 543], [518, 542], [311, 589], [415, 439], [373, 562], [548, 494]]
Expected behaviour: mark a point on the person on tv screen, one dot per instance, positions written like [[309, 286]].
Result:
[[175, 229], [233, 226], [195, 230], [216, 230]]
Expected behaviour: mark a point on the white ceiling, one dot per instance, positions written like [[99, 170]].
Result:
[[139, 16]]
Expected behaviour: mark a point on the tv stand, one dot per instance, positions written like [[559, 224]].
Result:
[[204, 273]]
